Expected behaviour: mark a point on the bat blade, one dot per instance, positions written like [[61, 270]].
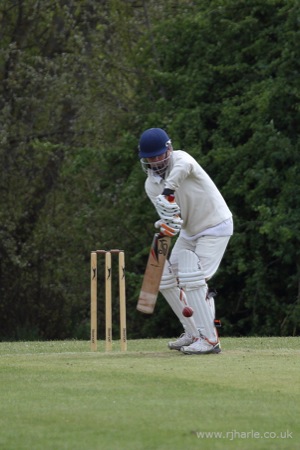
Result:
[[150, 287]]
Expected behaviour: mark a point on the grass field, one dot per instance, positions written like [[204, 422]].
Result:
[[59, 395]]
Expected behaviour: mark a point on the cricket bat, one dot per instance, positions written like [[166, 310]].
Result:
[[157, 257]]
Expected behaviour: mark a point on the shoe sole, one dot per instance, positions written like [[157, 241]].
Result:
[[176, 348], [214, 350]]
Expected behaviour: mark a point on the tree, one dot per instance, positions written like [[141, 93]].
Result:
[[226, 86], [59, 97]]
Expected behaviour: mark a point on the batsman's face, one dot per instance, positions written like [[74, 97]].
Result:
[[159, 163]]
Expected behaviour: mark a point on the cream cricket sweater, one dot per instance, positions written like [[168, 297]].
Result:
[[201, 203]]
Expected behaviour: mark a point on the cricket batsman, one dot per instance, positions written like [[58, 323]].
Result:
[[189, 205]]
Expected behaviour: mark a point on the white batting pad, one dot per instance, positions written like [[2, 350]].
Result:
[[211, 303], [191, 280], [177, 300]]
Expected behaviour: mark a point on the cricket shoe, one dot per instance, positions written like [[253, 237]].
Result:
[[184, 339], [201, 346]]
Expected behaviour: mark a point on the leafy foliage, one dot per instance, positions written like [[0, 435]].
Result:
[[79, 82]]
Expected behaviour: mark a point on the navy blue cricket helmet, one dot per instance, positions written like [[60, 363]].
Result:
[[153, 142]]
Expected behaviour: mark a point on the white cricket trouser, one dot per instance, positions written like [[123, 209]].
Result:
[[209, 249]]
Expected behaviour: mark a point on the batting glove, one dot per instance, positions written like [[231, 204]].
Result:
[[166, 207], [171, 227]]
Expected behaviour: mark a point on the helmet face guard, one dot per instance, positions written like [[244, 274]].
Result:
[[157, 167]]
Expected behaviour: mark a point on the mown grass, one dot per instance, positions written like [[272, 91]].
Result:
[[59, 395]]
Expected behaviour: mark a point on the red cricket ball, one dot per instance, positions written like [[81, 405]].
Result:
[[187, 311]]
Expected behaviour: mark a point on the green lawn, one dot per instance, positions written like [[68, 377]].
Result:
[[59, 395]]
